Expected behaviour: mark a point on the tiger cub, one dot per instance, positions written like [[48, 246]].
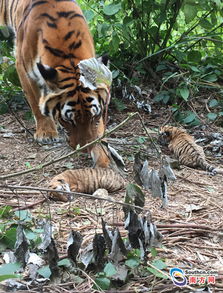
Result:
[[52, 39], [184, 148], [86, 181]]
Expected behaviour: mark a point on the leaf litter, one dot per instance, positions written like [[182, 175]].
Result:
[[191, 223]]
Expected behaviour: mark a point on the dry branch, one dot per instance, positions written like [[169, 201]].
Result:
[[77, 194], [107, 133], [29, 205], [193, 226]]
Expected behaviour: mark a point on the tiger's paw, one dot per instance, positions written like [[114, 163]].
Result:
[[60, 185], [46, 131], [49, 137]]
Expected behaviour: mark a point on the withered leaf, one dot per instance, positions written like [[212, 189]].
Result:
[[73, 245], [107, 235], [21, 246], [99, 248], [53, 258]]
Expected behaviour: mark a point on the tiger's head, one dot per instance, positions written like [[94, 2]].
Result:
[[168, 133], [76, 98]]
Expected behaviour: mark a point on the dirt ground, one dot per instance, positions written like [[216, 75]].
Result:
[[191, 224]]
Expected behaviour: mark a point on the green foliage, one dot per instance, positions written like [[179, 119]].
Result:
[[9, 225], [10, 88], [102, 281], [175, 42], [158, 265], [133, 266], [45, 272], [7, 271]]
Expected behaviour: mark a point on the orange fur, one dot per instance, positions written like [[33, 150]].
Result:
[[86, 181], [184, 147]]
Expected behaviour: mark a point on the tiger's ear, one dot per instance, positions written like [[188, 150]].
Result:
[[104, 59], [47, 72]]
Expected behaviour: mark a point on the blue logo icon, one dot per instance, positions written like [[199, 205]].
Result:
[[178, 277]]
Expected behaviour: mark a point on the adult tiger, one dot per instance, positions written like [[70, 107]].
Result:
[[52, 39]]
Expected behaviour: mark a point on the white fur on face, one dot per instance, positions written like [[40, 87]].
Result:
[[67, 113], [96, 107]]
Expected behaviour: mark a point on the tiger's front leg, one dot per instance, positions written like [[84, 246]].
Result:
[[46, 131], [99, 153]]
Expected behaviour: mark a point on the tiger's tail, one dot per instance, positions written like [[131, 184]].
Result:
[[204, 165]]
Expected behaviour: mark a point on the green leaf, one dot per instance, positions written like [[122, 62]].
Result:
[[112, 9], [210, 77], [30, 235], [89, 14], [134, 195], [110, 270], [3, 108], [195, 69], [65, 263], [9, 238], [194, 56], [212, 116], [12, 76], [184, 92], [115, 73], [189, 118], [6, 277], [24, 215], [163, 97], [157, 273], [115, 42], [10, 268], [102, 283], [190, 12], [159, 264], [153, 251], [45, 272], [132, 262], [5, 211], [213, 103], [28, 165], [205, 24]]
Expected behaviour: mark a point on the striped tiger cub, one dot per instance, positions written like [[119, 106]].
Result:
[[86, 181], [185, 148], [52, 45]]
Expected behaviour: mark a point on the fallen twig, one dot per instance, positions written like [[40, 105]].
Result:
[[130, 116], [194, 226], [30, 205], [203, 247], [78, 194], [150, 137]]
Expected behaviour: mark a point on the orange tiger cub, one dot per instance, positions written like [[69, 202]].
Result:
[[185, 148], [86, 181], [52, 41]]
